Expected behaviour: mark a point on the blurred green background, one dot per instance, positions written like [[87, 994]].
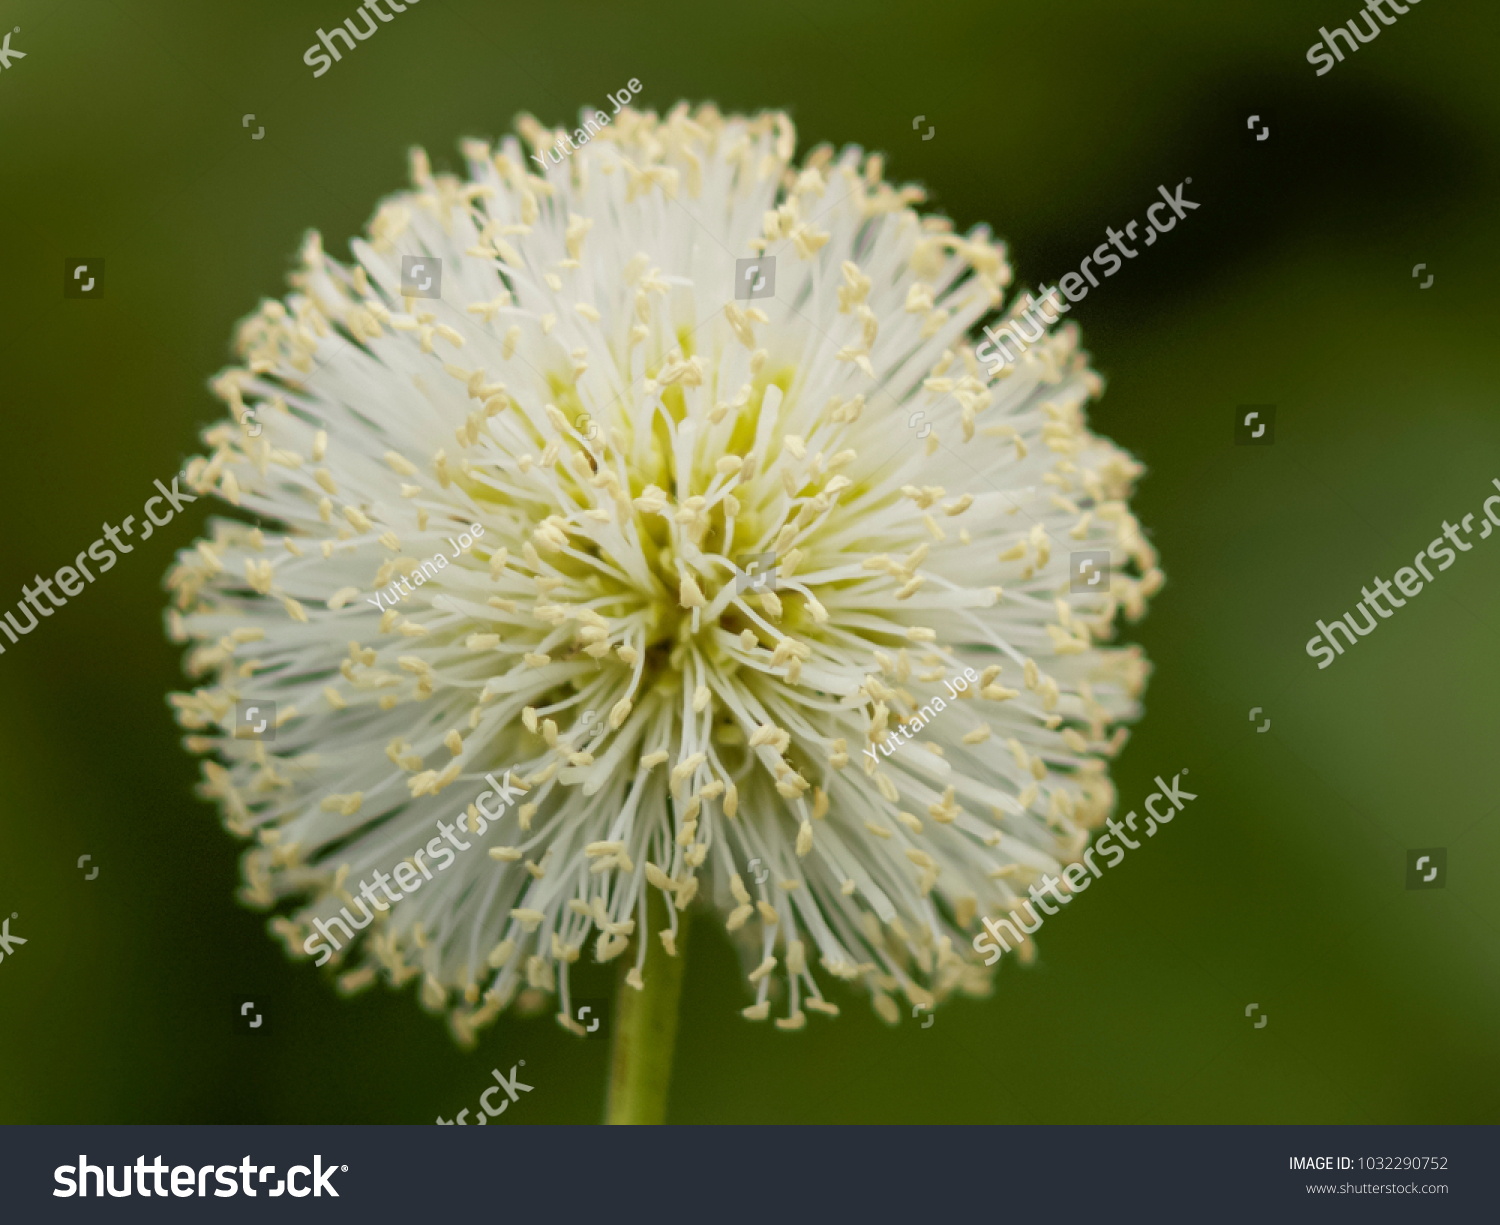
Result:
[[1284, 884]]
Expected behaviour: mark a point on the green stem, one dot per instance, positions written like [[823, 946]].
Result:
[[646, 1025]]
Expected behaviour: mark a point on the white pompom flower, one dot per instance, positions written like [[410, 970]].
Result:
[[850, 757]]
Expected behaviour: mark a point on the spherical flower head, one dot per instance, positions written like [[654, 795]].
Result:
[[586, 565]]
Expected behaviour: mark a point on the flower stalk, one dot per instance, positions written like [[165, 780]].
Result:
[[646, 1026]]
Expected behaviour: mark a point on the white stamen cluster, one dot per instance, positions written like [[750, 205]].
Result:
[[589, 391]]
